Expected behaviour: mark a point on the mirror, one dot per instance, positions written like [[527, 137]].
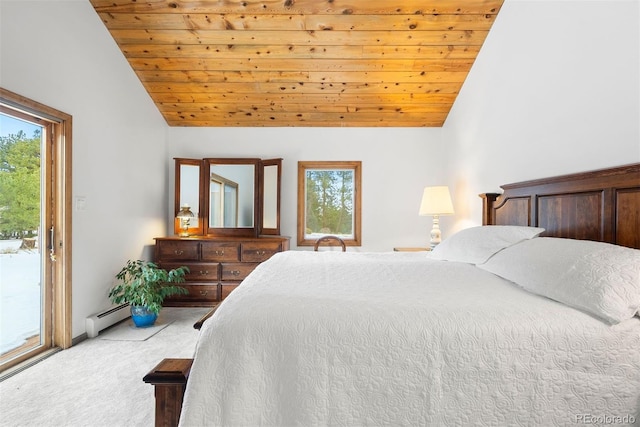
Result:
[[223, 202], [188, 193], [232, 195], [271, 173], [229, 197]]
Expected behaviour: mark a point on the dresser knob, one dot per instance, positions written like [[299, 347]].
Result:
[[204, 293], [261, 253], [219, 252], [178, 252], [235, 272], [204, 273]]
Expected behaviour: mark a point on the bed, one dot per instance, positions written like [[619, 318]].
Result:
[[530, 319]]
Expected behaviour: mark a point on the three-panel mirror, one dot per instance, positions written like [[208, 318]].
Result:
[[229, 197]]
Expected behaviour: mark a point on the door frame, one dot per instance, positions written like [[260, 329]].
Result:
[[59, 187]]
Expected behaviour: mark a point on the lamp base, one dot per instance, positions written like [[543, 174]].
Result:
[[436, 235], [184, 227]]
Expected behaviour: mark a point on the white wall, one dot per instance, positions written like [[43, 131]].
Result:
[[59, 53], [396, 165], [555, 90]]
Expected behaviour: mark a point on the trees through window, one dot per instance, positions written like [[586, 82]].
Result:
[[329, 201]]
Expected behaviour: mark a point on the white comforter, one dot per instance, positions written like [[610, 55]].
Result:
[[327, 338]]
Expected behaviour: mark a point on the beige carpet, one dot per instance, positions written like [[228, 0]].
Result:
[[127, 331], [97, 382]]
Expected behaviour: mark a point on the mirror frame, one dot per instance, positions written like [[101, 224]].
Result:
[[266, 163], [204, 191], [232, 231], [176, 223]]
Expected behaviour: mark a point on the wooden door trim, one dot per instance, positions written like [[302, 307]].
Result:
[[61, 196]]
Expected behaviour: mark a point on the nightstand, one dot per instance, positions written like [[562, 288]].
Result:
[[411, 249]]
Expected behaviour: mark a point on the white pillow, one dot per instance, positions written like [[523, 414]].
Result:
[[476, 245], [599, 278]]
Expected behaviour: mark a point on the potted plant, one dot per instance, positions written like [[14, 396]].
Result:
[[144, 286]]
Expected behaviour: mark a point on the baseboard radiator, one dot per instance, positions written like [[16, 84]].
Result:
[[106, 318]]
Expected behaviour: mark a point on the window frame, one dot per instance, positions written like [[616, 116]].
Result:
[[356, 166]]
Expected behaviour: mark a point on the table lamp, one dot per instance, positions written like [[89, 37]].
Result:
[[184, 216], [436, 201]]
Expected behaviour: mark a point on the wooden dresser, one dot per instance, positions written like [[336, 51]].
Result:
[[217, 264]]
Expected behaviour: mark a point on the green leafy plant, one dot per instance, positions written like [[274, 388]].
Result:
[[143, 283]]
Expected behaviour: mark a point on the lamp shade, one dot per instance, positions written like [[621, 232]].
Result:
[[185, 212], [436, 201]]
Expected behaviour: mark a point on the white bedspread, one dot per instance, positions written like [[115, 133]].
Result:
[[328, 338]]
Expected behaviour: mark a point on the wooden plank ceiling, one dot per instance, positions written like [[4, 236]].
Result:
[[356, 63]]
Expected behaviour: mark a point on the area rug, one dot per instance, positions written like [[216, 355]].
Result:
[[127, 331]]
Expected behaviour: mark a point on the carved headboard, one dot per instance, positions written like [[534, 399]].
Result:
[[601, 205]]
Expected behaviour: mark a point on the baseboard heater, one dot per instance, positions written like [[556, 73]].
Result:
[[106, 318]]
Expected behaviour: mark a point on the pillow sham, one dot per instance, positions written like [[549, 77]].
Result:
[[599, 278], [476, 245]]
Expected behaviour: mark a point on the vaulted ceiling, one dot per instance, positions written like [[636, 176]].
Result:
[[344, 63]]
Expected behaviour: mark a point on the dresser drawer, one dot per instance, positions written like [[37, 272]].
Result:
[[177, 250], [259, 251], [198, 271], [220, 251], [201, 292], [227, 288], [236, 271]]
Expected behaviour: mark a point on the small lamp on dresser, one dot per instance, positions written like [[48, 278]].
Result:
[[436, 201], [184, 216]]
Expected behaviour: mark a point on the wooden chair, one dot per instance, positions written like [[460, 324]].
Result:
[[328, 239]]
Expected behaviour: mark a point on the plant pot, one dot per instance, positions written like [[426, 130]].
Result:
[[142, 316]]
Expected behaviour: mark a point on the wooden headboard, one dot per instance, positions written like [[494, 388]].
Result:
[[601, 205]]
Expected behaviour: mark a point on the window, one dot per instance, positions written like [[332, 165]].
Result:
[[224, 202], [329, 201]]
